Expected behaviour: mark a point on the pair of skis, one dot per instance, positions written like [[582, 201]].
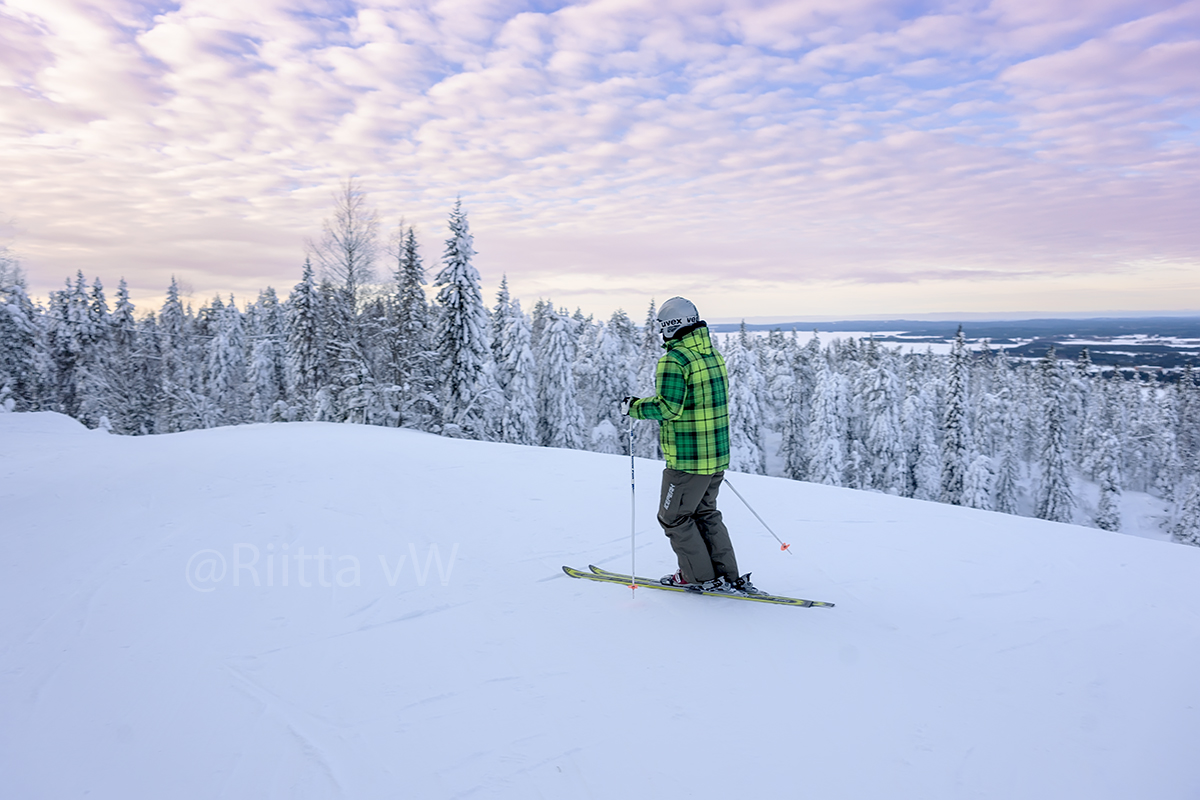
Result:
[[604, 576]]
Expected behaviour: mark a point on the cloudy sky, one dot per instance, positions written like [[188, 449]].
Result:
[[802, 158]]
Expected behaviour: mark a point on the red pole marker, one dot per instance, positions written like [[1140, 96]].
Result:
[[783, 545]]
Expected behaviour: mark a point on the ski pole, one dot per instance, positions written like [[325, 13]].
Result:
[[632, 513], [782, 544]]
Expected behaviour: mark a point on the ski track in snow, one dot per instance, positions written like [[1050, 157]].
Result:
[[970, 654]]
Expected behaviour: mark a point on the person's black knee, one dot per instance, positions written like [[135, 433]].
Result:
[[674, 523]]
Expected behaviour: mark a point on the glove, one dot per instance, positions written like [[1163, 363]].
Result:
[[626, 404]]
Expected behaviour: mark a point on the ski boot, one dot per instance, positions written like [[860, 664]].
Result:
[[717, 584], [744, 586]]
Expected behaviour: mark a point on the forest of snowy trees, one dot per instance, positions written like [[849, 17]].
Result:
[[969, 428]]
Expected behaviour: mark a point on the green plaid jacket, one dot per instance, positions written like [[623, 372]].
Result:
[[692, 405]]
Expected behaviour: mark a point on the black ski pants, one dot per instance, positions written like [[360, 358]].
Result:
[[687, 511]]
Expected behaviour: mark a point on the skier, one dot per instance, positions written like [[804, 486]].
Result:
[[691, 405]]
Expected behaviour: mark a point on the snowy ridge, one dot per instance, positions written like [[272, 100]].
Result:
[[971, 654]]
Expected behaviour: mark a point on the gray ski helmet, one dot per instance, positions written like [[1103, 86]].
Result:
[[674, 314]]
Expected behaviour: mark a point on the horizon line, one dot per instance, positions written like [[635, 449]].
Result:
[[948, 316]]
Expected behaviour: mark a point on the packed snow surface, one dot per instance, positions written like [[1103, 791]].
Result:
[[434, 648]]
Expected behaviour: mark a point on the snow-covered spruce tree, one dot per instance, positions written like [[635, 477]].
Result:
[[122, 375], [195, 407], [983, 370], [1055, 500], [605, 438], [826, 433], [180, 372], [122, 323], [797, 412], [645, 433], [956, 437], [542, 309], [987, 432], [415, 357], [920, 426], [462, 335], [519, 421], [586, 331], [995, 415], [1093, 430], [794, 436], [1186, 527], [1080, 385], [1187, 404], [305, 351], [94, 396], [626, 330], [11, 273], [1108, 511], [412, 310], [746, 452], [227, 363], [612, 378], [1139, 467], [850, 363], [338, 399], [501, 312], [883, 434], [1007, 488], [148, 398], [1028, 402], [560, 422], [24, 359], [977, 483], [778, 378], [597, 364], [1169, 466], [70, 335], [586, 368], [367, 397], [1114, 419], [268, 361], [650, 349], [331, 302], [148, 356]]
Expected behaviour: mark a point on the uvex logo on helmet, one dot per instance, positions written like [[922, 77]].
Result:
[[676, 313]]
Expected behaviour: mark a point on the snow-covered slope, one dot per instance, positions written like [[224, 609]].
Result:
[[970, 654]]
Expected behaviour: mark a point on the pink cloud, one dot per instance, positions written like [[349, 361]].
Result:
[[777, 144]]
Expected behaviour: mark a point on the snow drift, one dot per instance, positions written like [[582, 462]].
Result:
[[318, 610]]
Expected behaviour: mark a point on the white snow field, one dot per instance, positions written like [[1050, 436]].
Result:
[[970, 655]]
